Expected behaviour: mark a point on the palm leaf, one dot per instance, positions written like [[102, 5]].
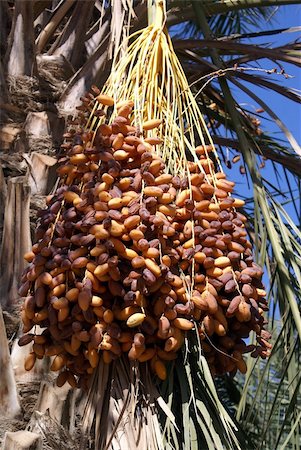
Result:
[[177, 14], [276, 228], [191, 414], [202, 418]]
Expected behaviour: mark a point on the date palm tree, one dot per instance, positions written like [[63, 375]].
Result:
[[51, 53]]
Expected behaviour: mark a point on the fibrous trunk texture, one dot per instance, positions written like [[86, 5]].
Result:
[[22, 440], [71, 42], [9, 402], [86, 76], [16, 239], [20, 55]]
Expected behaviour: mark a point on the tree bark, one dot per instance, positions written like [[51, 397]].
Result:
[[97, 68], [22, 440], [8, 135], [82, 80], [54, 435], [2, 197], [45, 124], [41, 171], [71, 42], [9, 401], [4, 99], [97, 33], [58, 402], [5, 20], [16, 239], [54, 22], [20, 57], [3, 87], [40, 6]]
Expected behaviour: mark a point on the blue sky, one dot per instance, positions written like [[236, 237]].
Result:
[[288, 111], [289, 16]]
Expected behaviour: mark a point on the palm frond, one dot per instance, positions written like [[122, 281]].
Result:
[[201, 415], [178, 14], [271, 385], [283, 53], [121, 401], [217, 45]]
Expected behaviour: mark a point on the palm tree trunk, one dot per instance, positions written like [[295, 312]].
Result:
[[87, 75], [3, 87], [9, 401], [20, 56], [52, 25], [4, 26], [16, 239], [71, 43]]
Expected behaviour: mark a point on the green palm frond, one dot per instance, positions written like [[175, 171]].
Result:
[[184, 10], [275, 383], [218, 43], [203, 419], [268, 409], [230, 22]]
